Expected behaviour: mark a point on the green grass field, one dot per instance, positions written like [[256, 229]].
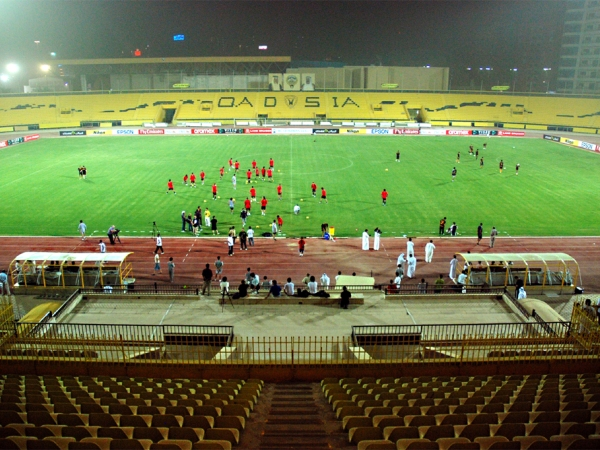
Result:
[[555, 193]]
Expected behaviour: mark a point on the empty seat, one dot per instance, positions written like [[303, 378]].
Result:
[[358, 434], [166, 421], [473, 431], [545, 429], [114, 433], [395, 433], [509, 430], [136, 421], [436, 432], [102, 420], [186, 433], [152, 433]]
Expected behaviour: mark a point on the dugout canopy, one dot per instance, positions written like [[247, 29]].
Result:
[[57, 269], [543, 270]]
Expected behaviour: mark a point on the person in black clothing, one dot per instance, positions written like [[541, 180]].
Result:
[[518, 285], [207, 275], [345, 295], [243, 240], [242, 291]]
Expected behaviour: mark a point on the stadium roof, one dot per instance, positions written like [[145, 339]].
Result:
[[526, 258], [76, 257], [191, 60]]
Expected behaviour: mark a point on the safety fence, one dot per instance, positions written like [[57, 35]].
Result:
[[216, 345]]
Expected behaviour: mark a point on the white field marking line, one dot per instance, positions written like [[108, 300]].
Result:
[[189, 249], [46, 168]]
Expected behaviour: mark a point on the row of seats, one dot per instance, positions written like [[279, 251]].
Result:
[[476, 412], [105, 412]]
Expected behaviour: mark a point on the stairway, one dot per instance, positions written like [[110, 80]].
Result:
[[299, 417]]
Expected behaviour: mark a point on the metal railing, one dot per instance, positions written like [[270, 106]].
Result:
[[416, 289]]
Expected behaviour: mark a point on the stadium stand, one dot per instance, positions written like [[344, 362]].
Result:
[[122, 412], [480, 412], [531, 112]]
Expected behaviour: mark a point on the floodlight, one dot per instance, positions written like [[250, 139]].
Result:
[[45, 68], [12, 68], [262, 47], [4, 78]]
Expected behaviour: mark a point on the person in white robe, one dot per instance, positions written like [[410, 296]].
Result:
[[429, 248], [365, 240], [411, 266], [376, 238], [401, 261], [452, 273], [410, 247]]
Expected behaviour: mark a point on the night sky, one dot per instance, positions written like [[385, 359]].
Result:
[[458, 34]]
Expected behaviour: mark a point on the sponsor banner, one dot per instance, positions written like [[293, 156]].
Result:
[[32, 137], [72, 133], [230, 130], [3, 144], [177, 131], [485, 133], [204, 131], [459, 132], [407, 131], [257, 131], [511, 133], [569, 141], [380, 131], [589, 146], [552, 138], [326, 131], [292, 131], [151, 131], [124, 132], [98, 132], [433, 132], [353, 131]]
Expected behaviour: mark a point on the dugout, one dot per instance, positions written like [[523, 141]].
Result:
[[55, 269], [539, 271]]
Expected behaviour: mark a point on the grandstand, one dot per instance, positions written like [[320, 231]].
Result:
[[444, 109]]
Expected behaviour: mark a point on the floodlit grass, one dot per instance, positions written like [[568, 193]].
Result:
[[556, 192]]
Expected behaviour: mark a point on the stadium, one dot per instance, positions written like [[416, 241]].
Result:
[[266, 252]]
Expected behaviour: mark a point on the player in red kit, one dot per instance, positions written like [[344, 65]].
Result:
[[202, 176], [230, 163], [221, 172], [323, 195], [247, 205], [384, 196], [257, 172], [279, 191], [279, 222], [170, 187], [271, 163], [185, 178], [253, 164], [270, 174], [214, 191], [313, 187], [253, 194], [263, 172], [248, 176], [263, 205], [192, 180], [237, 165]]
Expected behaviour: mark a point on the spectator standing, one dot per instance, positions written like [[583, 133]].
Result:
[[213, 225], [325, 281], [243, 240], [171, 267], [442, 226], [159, 244], [206, 278], [452, 273], [429, 248], [479, 233], [230, 244], [4, 287], [422, 287], [156, 264], [102, 246], [345, 298], [410, 247], [411, 266], [376, 238], [439, 284], [251, 236], [493, 235], [218, 267], [82, 229]]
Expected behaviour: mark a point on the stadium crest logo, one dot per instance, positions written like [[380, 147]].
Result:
[[291, 100]]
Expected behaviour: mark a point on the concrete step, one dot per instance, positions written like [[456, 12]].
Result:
[[291, 428], [294, 419], [290, 411]]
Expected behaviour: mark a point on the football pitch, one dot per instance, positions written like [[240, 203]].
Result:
[[555, 193]]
